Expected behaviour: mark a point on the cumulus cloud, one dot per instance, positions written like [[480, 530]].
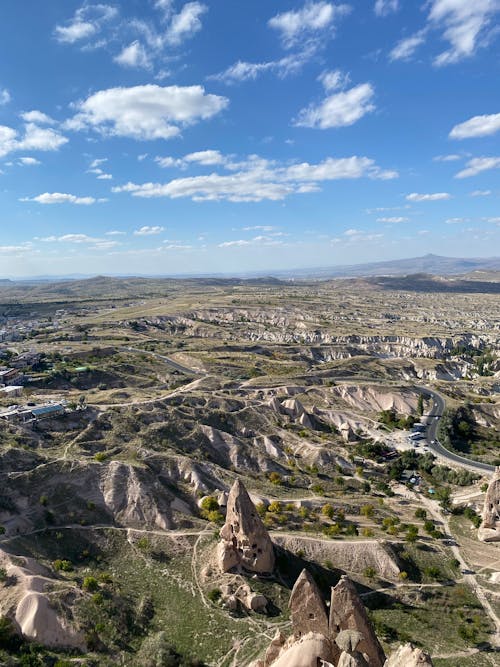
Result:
[[208, 157], [309, 22], [37, 117], [34, 138], [477, 126], [62, 198], [406, 47], [146, 112], [340, 109], [393, 220], [134, 55], [477, 165], [333, 80], [4, 96], [385, 7], [435, 196], [146, 230], [257, 179], [86, 22]]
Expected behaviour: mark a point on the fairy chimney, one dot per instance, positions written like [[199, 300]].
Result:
[[245, 542]]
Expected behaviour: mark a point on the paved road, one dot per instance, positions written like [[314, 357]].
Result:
[[167, 360], [433, 417]]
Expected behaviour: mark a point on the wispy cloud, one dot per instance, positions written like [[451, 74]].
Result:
[[62, 198], [147, 230], [435, 196], [477, 165], [310, 22]]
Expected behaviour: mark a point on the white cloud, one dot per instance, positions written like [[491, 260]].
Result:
[[447, 158], [261, 228], [61, 198], [340, 109], [245, 71], [384, 7], [480, 193], [165, 6], [134, 55], [308, 22], [168, 161], [208, 157], [478, 126], [257, 179], [4, 96], [464, 24], [186, 23], [477, 165], [146, 230], [37, 117], [115, 232], [146, 112], [35, 138], [393, 220], [29, 161], [257, 240], [86, 22], [436, 196], [406, 47], [455, 221], [333, 80], [358, 236]]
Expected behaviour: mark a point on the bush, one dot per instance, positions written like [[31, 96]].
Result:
[[209, 504], [367, 510], [328, 511], [90, 584], [370, 573], [62, 565], [100, 457], [214, 595], [275, 478]]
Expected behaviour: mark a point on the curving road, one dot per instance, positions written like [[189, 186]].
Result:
[[433, 444]]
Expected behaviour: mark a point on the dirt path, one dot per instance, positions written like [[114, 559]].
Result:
[[469, 578]]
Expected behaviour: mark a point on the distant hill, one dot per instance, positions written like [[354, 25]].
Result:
[[428, 264]]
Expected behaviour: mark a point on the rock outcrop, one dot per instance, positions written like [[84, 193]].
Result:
[[345, 639], [489, 530], [409, 656], [347, 612], [32, 601], [308, 610], [245, 542]]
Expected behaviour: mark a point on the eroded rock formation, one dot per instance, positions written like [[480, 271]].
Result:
[[490, 527], [409, 656], [345, 639], [347, 612], [245, 541]]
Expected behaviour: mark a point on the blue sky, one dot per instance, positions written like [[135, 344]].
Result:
[[165, 137]]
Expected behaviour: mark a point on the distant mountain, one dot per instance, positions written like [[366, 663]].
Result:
[[429, 264]]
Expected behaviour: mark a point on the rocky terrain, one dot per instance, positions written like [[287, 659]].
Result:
[[228, 453]]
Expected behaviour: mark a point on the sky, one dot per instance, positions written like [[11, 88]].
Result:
[[228, 136]]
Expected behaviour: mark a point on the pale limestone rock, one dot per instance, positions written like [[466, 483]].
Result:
[[490, 528], [274, 648], [347, 612], [251, 600], [311, 650], [245, 541], [409, 656]]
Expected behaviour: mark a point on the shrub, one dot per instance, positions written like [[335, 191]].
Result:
[[275, 507], [209, 504], [62, 565], [214, 595], [100, 457], [420, 513], [370, 573], [328, 511], [367, 510], [90, 584], [275, 478]]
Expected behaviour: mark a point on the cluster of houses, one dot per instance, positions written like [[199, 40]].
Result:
[[22, 414]]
